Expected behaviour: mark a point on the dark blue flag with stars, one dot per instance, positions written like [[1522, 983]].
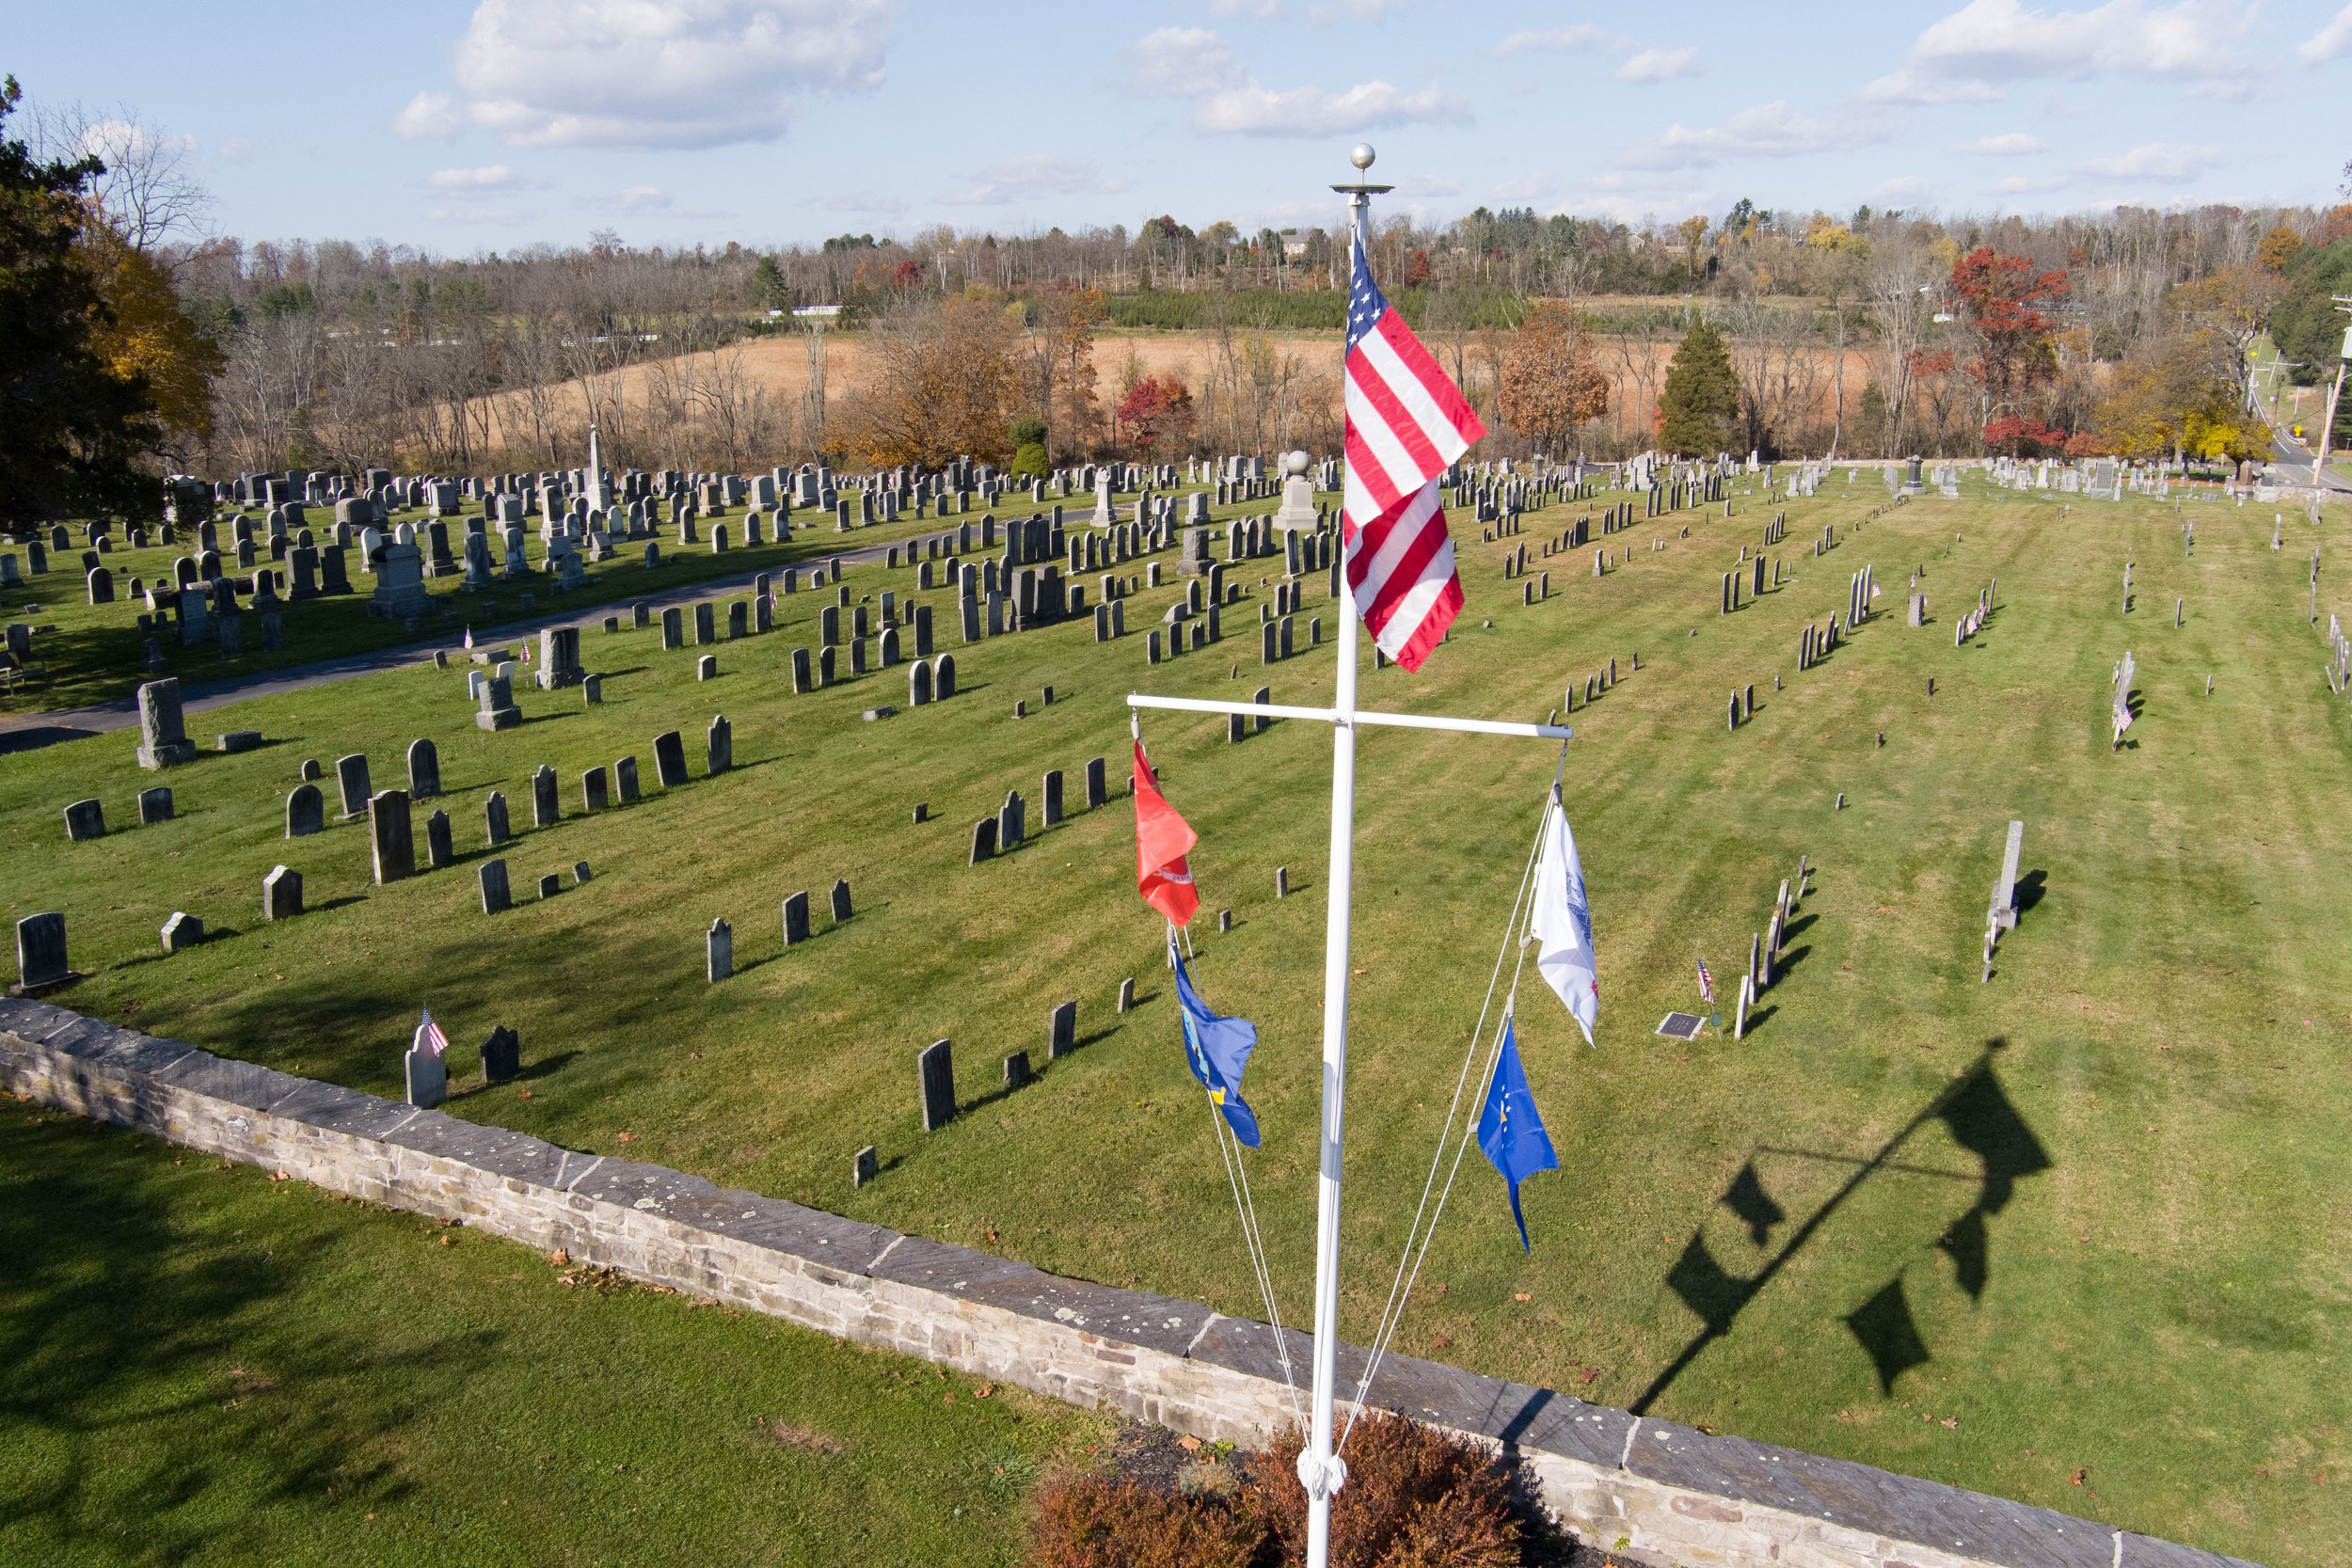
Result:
[[1510, 1134], [1217, 1050]]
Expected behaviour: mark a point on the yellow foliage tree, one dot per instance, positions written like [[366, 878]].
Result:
[[1550, 381], [2178, 398], [946, 377], [149, 338]]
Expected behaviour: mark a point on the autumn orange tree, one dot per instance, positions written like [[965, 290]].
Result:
[[1066, 319], [1155, 409], [2001, 298], [1552, 380], [945, 377]]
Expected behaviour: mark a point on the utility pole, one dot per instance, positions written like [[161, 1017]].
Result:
[[2327, 425]]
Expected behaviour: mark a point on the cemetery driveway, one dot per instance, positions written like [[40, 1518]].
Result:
[[27, 731]]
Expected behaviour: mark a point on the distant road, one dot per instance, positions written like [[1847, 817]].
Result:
[[26, 731]]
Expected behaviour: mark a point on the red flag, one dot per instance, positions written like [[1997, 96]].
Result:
[[1162, 840]]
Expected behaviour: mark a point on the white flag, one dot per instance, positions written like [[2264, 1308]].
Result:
[[1563, 922]]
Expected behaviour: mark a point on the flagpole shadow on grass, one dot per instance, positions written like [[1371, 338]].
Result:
[[1980, 1118]]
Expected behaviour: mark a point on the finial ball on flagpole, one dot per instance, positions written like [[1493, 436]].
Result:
[[1362, 156]]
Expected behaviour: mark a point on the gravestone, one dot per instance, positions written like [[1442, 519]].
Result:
[[41, 955], [424, 771], [983, 841], [163, 727], [559, 658], [1049, 791], [596, 790], [438, 850], [1061, 1034], [669, 759], [391, 836], [426, 1076], [1097, 792], [718, 951], [935, 1084], [183, 930], [719, 746], [155, 806], [502, 1056], [306, 811], [547, 808], [624, 781], [496, 893], [495, 829], [281, 894], [840, 901], [796, 919], [85, 820], [351, 779]]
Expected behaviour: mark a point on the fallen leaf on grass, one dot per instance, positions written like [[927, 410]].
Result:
[[983, 1390], [560, 1258], [2077, 1479], [1441, 1342], [1188, 1443], [1521, 1295], [1588, 1374], [628, 1137]]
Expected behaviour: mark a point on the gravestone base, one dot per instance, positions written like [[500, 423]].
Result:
[[499, 719], [171, 753]]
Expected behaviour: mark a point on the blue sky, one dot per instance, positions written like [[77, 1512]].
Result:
[[458, 126]]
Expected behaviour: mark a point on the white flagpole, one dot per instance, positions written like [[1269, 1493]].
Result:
[[1319, 1470]]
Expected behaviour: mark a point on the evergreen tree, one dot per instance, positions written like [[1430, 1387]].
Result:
[[72, 426], [1700, 406]]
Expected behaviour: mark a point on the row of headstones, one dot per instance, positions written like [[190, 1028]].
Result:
[[425, 1071], [719, 941], [1597, 685], [1764, 947]]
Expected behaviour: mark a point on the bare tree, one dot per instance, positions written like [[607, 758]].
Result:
[[149, 192]]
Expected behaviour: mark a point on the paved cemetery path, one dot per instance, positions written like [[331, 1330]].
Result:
[[26, 732]]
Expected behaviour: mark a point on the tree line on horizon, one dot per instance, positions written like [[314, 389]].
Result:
[[1873, 334]]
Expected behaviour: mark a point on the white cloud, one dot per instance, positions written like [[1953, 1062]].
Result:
[[2331, 41], [2023, 185], [429, 117], [1768, 131], [2167, 162], [2001, 37], [1196, 63], [1426, 186], [1368, 12], [495, 216], [2009, 144], [1908, 85], [642, 199], [1527, 188], [234, 150], [1581, 36], [673, 73], [1659, 65], [1029, 178], [888, 206], [1264, 10], [1903, 187], [491, 176]]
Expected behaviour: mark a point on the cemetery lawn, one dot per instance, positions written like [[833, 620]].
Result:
[[2108, 1269], [95, 653], [204, 1366]]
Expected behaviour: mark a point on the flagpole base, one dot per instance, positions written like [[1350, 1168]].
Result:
[[1322, 1481]]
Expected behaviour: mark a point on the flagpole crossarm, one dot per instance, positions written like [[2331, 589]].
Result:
[[1358, 716]]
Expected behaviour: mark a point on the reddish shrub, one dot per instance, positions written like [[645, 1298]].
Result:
[[1091, 1520], [1414, 1498]]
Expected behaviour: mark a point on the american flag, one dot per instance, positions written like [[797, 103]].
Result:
[[429, 1035], [1406, 423], [1707, 983]]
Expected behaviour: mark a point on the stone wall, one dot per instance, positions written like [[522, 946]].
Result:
[[1658, 1489]]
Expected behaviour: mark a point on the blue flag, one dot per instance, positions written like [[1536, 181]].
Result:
[[1510, 1134], [1218, 1049]]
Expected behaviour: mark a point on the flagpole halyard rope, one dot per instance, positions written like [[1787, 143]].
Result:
[[1253, 1244], [1392, 1310]]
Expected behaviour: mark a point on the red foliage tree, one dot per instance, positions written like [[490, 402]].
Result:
[[1155, 409], [906, 275], [2001, 297]]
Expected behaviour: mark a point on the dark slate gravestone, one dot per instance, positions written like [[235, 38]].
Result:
[[1062, 1031], [1050, 794], [596, 790], [942, 677], [983, 840], [935, 1084], [391, 836], [502, 1055], [869, 1164], [547, 807], [840, 901], [1017, 1071], [306, 811], [719, 750], [796, 919], [624, 781], [718, 951], [351, 778], [424, 771], [438, 849], [801, 684], [551, 885], [1097, 792], [155, 806], [494, 823], [669, 759], [85, 820], [41, 955], [495, 893], [1127, 994], [281, 894]]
